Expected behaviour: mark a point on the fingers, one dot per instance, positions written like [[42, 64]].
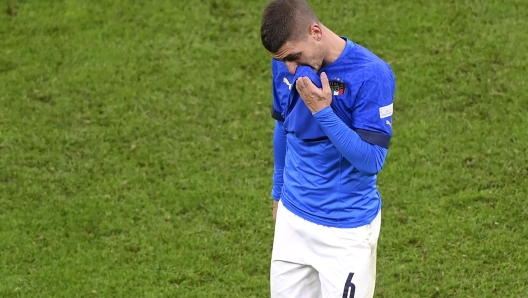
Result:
[[326, 84], [301, 83], [298, 84], [307, 90], [315, 98], [304, 83]]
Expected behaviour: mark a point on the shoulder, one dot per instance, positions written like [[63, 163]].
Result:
[[367, 64], [278, 66], [379, 71], [279, 70], [282, 79]]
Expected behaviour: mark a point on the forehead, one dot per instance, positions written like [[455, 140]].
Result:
[[287, 48]]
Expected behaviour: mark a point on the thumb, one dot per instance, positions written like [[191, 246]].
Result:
[[325, 84]]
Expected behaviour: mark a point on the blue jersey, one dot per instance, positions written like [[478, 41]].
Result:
[[320, 184]]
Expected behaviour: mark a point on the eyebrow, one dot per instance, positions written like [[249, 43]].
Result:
[[291, 57]]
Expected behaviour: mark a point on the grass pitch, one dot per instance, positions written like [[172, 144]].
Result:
[[135, 147]]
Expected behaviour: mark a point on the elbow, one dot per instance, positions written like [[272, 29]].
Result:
[[371, 169], [373, 166]]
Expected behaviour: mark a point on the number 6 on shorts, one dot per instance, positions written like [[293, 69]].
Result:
[[350, 288]]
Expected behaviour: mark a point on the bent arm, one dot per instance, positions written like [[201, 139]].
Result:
[[366, 157]]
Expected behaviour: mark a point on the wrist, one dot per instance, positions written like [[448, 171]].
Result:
[[323, 112]]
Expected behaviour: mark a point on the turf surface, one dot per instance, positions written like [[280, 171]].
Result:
[[135, 147]]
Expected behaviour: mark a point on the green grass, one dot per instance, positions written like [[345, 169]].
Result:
[[135, 147]]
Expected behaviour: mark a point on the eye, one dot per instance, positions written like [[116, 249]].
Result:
[[293, 57]]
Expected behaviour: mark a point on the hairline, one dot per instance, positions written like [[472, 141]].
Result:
[[296, 38], [301, 16]]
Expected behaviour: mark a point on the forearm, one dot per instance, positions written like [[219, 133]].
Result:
[[365, 157], [279, 156]]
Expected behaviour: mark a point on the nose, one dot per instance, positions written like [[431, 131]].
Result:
[[292, 66]]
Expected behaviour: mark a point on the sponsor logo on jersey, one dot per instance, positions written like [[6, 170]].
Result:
[[285, 80]]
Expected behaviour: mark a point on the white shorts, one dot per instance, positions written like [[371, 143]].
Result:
[[314, 261]]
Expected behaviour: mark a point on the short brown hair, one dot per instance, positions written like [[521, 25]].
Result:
[[285, 20]]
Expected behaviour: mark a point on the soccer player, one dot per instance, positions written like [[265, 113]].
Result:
[[332, 103]]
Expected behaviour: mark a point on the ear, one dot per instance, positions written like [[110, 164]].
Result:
[[316, 32]]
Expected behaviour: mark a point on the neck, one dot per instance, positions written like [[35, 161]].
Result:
[[334, 46]]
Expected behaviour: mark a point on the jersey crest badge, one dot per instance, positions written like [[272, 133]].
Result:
[[338, 88]]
